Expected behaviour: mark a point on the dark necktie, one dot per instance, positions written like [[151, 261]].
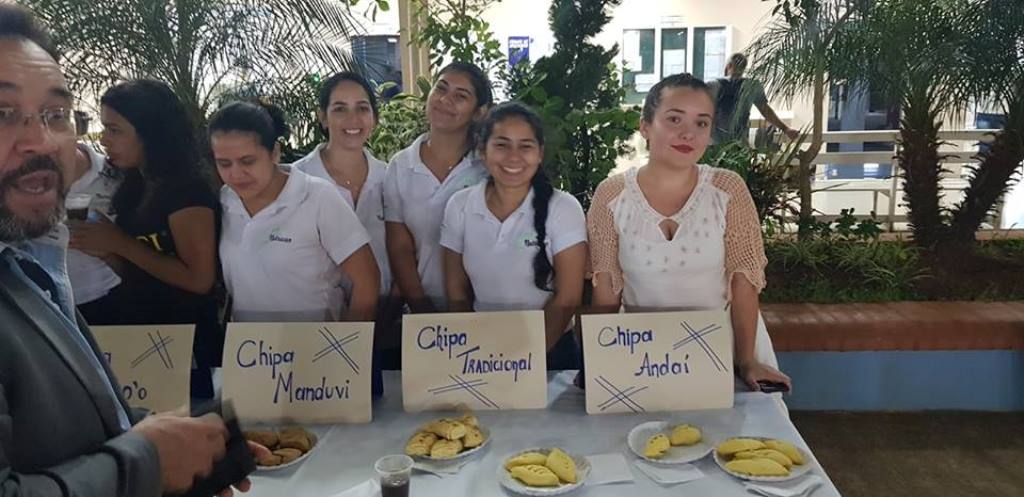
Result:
[[38, 275]]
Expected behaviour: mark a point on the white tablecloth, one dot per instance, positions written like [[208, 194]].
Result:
[[345, 455]]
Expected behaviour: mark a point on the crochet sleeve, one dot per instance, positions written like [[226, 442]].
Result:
[[744, 245], [604, 237]]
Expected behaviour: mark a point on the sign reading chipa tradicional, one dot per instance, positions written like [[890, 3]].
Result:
[[480, 360]]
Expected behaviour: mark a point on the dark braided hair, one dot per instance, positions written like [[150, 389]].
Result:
[[543, 271]]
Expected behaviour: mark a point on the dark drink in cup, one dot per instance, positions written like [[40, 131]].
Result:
[[77, 206], [394, 488], [81, 214], [394, 472]]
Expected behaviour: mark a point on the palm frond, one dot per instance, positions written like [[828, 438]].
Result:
[[200, 47]]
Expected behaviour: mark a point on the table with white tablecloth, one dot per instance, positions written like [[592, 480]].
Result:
[[345, 454]]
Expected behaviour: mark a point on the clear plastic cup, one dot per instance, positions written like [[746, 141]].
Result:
[[394, 472], [77, 206]]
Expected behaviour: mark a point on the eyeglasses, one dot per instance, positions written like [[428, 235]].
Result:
[[58, 120]]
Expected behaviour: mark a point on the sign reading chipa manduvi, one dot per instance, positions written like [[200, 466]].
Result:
[[671, 361], [299, 372], [152, 363], [480, 360]]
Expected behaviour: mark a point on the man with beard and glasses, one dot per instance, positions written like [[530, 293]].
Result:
[[64, 428]]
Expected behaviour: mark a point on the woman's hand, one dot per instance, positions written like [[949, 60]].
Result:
[[98, 239], [756, 371]]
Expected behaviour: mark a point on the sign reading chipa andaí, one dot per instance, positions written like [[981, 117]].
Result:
[[299, 372], [152, 363], [669, 361], [480, 360]]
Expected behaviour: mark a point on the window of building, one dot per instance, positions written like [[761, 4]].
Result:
[[673, 51], [709, 53], [649, 54], [638, 73], [377, 57]]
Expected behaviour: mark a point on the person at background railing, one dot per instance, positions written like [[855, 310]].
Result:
[[677, 235], [734, 95], [347, 109], [164, 239], [289, 237], [514, 242], [422, 177]]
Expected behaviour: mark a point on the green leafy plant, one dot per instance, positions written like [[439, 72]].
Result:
[[201, 48], [298, 99], [767, 172], [578, 92], [456, 29], [846, 228], [831, 270], [915, 53], [402, 119], [995, 58], [800, 49]]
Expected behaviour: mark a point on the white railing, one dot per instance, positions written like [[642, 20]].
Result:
[[958, 149], [881, 196]]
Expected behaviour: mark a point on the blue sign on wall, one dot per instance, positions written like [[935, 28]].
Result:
[[518, 49]]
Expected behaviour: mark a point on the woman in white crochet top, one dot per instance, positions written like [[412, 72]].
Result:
[[677, 235]]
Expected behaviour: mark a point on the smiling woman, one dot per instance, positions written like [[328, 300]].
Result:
[[347, 109], [514, 242], [422, 177], [676, 235], [289, 237]]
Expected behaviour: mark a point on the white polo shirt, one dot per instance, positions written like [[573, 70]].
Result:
[[369, 209], [91, 278], [282, 264], [413, 196], [498, 256]]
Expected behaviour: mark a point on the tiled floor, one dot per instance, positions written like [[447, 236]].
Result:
[[928, 454]]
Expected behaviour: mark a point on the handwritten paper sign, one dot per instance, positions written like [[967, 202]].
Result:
[[299, 372], [152, 363], [482, 360], [658, 362]]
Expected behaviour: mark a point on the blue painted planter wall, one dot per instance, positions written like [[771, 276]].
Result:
[[977, 380]]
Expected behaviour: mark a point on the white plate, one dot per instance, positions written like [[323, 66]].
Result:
[[639, 435], [795, 472], [514, 485], [461, 455], [297, 460]]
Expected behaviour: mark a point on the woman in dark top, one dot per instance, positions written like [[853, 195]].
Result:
[[163, 240]]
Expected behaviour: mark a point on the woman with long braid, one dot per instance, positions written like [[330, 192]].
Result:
[[514, 242]]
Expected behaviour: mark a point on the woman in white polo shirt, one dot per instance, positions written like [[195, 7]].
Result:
[[422, 177], [287, 237], [89, 173], [348, 112], [514, 242]]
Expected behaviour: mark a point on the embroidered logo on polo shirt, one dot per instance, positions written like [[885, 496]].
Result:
[[275, 236], [529, 240]]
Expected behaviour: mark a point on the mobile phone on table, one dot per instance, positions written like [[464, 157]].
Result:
[[772, 387]]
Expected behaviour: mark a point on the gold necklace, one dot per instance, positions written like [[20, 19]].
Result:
[[344, 177]]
